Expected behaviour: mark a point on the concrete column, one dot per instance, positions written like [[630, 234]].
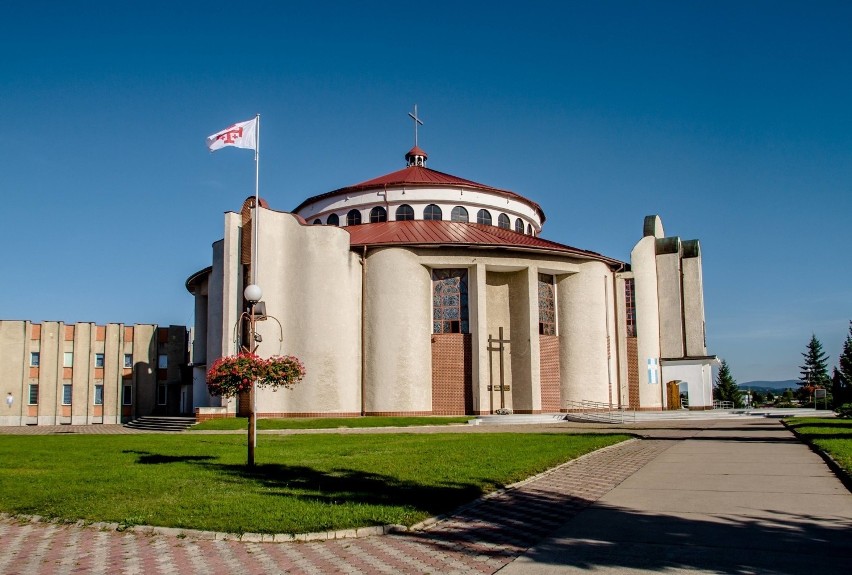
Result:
[[14, 365], [477, 306], [693, 300], [643, 259], [669, 296], [399, 324], [582, 319]]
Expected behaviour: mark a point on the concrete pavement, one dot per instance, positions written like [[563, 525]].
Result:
[[732, 497]]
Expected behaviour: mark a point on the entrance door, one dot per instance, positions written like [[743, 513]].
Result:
[[673, 394]]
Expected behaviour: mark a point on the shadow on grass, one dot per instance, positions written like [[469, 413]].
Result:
[[148, 458], [350, 486]]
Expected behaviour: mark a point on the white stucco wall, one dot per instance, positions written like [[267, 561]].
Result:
[[583, 320], [693, 301], [698, 376], [644, 269], [311, 283], [670, 304], [398, 330], [418, 198]]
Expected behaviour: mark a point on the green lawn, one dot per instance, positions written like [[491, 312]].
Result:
[[328, 422], [301, 483], [833, 436]]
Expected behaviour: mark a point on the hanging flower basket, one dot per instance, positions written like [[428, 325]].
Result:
[[229, 376]]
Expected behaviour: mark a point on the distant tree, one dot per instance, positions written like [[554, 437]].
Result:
[[787, 395], [842, 380], [770, 396], [726, 388], [814, 372], [757, 398]]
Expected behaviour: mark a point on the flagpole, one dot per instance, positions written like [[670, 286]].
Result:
[[256, 223]]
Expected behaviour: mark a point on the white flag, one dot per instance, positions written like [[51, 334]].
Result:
[[240, 135]]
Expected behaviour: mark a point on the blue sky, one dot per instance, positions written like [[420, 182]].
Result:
[[731, 120]]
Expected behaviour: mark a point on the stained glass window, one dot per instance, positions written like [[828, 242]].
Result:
[[483, 217], [630, 304], [519, 226], [378, 214], [353, 218], [546, 305], [333, 220], [405, 212], [449, 301], [503, 222], [529, 229]]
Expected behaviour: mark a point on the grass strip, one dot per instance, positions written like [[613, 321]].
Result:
[[834, 436], [301, 483], [232, 423]]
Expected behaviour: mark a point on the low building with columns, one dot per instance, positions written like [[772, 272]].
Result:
[[420, 293]]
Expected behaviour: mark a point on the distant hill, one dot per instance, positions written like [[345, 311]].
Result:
[[770, 385]]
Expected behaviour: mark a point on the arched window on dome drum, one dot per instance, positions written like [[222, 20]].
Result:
[[378, 214], [353, 218], [459, 214], [449, 301], [433, 212], [317, 222], [333, 220], [404, 212], [483, 217], [529, 229], [503, 222], [519, 226]]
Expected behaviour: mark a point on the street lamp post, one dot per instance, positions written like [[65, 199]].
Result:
[[252, 293]]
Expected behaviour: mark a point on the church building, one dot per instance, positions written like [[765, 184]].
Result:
[[420, 293]]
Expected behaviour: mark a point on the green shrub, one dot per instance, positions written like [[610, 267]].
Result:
[[844, 411]]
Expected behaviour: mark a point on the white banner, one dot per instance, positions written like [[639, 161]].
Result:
[[240, 135]]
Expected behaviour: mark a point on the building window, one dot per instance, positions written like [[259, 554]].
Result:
[[333, 220], [68, 359], [404, 212], [66, 394], [449, 301], [163, 361], [546, 305], [483, 217], [34, 359], [630, 305], [433, 212], [378, 214], [519, 226], [353, 218], [529, 229], [127, 394], [128, 360], [99, 360], [459, 214], [503, 222], [317, 222], [33, 394], [99, 394], [161, 394]]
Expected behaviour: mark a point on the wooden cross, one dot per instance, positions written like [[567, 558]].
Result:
[[416, 121]]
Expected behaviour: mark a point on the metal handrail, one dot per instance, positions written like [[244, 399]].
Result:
[[597, 411]]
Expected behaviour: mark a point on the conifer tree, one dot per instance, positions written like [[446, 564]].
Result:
[[726, 388], [815, 370], [842, 380]]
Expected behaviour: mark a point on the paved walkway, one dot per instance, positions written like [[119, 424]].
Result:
[[714, 496]]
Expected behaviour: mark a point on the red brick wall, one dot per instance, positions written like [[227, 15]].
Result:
[[632, 373], [549, 354], [451, 374]]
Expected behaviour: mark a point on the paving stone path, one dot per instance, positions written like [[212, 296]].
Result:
[[481, 538]]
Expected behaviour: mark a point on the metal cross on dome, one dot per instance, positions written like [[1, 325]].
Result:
[[416, 121]]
